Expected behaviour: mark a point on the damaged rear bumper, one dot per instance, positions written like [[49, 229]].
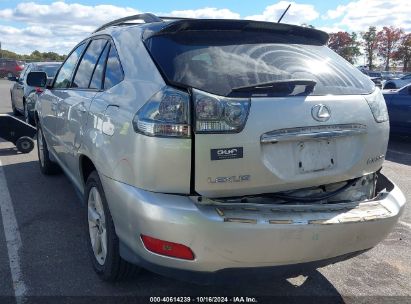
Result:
[[239, 237]]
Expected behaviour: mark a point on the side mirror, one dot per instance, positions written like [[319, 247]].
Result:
[[13, 78], [37, 79]]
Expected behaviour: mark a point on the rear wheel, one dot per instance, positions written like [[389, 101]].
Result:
[[103, 241], [47, 166], [25, 144]]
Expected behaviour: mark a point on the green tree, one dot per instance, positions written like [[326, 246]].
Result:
[[370, 44]]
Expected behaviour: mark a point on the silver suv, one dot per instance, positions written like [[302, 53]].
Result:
[[211, 147]]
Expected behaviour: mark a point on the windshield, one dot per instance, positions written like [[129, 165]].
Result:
[[219, 66], [49, 69]]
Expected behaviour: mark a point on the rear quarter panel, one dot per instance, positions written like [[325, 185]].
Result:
[[155, 164]]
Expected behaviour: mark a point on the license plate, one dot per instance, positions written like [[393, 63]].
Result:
[[313, 156]]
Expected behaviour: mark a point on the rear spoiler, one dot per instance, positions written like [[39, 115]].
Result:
[[187, 25]]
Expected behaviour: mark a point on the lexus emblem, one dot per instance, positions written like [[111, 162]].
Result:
[[321, 112]]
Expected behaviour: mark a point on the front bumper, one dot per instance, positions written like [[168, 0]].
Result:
[[248, 236]]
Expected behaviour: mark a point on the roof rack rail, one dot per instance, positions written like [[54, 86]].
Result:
[[174, 18], [147, 18]]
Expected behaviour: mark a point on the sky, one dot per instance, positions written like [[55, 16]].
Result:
[[57, 26]]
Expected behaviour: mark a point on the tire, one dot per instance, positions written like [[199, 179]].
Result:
[[25, 144], [390, 86], [13, 108], [103, 243], [27, 117], [47, 167]]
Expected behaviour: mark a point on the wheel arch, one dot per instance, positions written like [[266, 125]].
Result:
[[86, 167]]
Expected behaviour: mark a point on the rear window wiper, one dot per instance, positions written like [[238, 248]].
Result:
[[278, 85]]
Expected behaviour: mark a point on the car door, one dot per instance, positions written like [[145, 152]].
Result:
[[52, 121], [399, 107], [74, 108], [18, 89]]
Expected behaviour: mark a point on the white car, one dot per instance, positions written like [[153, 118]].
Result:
[[205, 148]]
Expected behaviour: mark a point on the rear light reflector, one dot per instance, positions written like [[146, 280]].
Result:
[[167, 248]]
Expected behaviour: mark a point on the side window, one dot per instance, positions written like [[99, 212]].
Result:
[[97, 79], [87, 64], [64, 76], [114, 72]]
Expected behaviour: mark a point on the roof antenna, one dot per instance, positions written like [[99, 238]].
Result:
[[285, 12]]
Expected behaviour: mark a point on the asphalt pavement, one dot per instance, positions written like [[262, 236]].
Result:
[[54, 265]]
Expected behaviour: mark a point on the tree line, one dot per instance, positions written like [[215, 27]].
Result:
[[391, 45], [34, 56]]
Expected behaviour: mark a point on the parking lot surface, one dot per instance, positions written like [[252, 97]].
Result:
[[43, 252]]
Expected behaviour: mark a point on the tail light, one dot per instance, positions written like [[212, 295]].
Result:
[[166, 114], [167, 248], [19, 68], [39, 90], [377, 106], [216, 114]]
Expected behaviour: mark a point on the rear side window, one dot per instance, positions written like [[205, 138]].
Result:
[[97, 78], [64, 76], [50, 70], [114, 72], [220, 63], [87, 64]]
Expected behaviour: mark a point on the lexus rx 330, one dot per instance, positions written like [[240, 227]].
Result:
[[208, 147]]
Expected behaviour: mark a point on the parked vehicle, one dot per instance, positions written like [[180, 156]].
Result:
[[232, 153], [10, 68], [399, 109], [375, 77], [397, 83], [23, 96], [388, 75]]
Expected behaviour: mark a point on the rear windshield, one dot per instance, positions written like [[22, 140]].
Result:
[[50, 70], [217, 66]]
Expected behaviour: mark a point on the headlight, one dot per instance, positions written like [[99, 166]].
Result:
[[377, 105], [216, 114]]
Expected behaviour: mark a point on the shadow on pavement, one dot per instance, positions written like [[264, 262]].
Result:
[[55, 261], [9, 151]]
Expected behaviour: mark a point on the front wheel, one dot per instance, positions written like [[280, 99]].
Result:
[[27, 118], [103, 241], [13, 108], [47, 166]]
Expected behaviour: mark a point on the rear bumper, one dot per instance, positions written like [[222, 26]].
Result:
[[245, 237]]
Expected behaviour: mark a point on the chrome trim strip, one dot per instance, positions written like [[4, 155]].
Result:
[[316, 132]]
